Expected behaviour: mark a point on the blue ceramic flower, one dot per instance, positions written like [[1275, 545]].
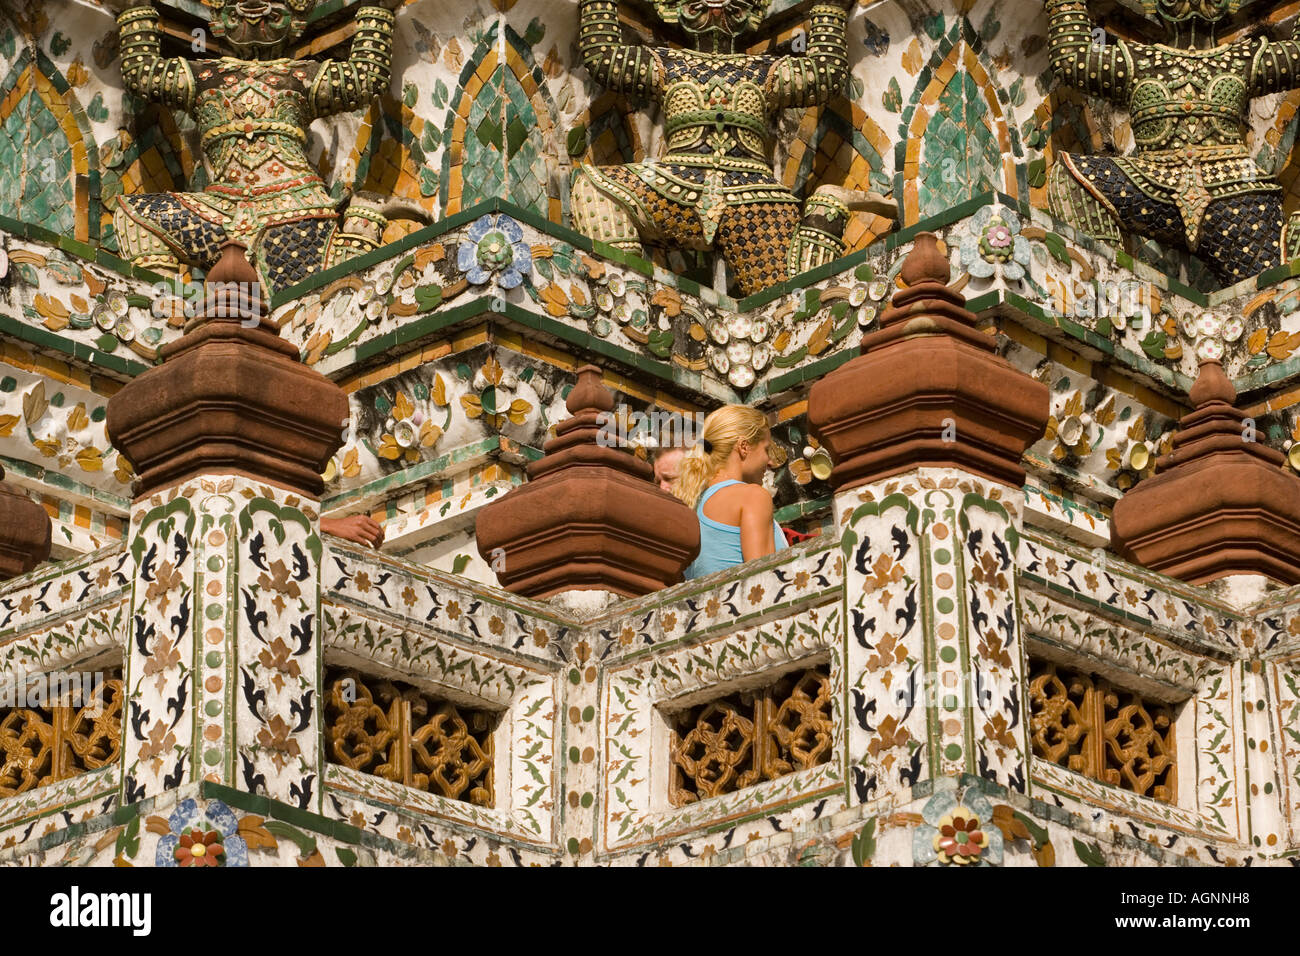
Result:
[[186, 819], [995, 245], [959, 829], [495, 246]]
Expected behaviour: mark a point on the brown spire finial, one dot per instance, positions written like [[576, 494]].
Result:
[[590, 516], [1220, 503], [229, 396], [232, 290], [927, 390], [925, 263], [1212, 385], [589, 394]]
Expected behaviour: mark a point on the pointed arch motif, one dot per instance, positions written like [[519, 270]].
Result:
[[1069, 127], [501, 128], [840, 145], [47, 144], [151, 156], [390, 158], [1280, 139], [956, 142], [611, 138]]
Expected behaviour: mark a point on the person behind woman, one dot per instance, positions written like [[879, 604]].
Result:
[[721, 478]]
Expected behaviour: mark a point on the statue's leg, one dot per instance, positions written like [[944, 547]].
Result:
[[755, 240], [1079, 198], [157, 231], [599, 215], [820, 236], [293, 251], [1241, 236]]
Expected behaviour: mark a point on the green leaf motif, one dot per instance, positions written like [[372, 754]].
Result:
[[1088, 853], [1056, 246], [864, 844], [1154, 344], [1037, 172]]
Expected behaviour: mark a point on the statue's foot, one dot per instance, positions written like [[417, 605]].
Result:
[[861, 200]]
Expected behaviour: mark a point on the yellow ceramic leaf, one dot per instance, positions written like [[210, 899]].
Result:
[[7, 423], [1138, 430], [388, 448], [801, 471], [1106, 413], [34, 404], [77, 73], [1112, 459], [492, 370], [1258, 339], [50, 307], [1280, 346], [429, 434], [1051, 427], [94, 285], [351, 467], [90, 459], [912, 58], [439, 391], [473, 407], [579, 297], [47, 447], [542, 250], [402, 407], [1075, 405], [77, 418], [669, 301], [818, 341]]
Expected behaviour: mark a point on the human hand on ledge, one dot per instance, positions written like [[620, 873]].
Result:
[[359, 528]]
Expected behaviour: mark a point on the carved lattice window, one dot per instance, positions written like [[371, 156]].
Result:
[[406, 735], [751, 736], [73, 725], [1090, 726]]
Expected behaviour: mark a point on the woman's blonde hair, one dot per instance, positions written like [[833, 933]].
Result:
[[723, 430]]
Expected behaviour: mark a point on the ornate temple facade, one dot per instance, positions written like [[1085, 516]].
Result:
[[1011, 281]]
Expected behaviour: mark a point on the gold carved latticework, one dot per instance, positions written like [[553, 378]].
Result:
[[402, 734], [1092, 727], [74, 726], [751, 736]]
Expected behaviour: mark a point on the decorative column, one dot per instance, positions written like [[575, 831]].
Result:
[[229, 436], [24, 531], [590, 516], [927, 428], [1220, 503]]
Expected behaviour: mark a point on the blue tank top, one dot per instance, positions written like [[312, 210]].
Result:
[[720, 543]]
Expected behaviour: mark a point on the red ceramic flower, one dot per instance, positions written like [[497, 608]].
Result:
[[960, 840], [197, 848]]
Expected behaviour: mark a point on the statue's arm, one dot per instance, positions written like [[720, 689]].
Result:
[[343, 85], [145, 71], [620, 67], [1276, 65], [818, 75], [1102, 69]]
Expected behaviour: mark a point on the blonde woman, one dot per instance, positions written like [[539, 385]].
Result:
[[721, 478]]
